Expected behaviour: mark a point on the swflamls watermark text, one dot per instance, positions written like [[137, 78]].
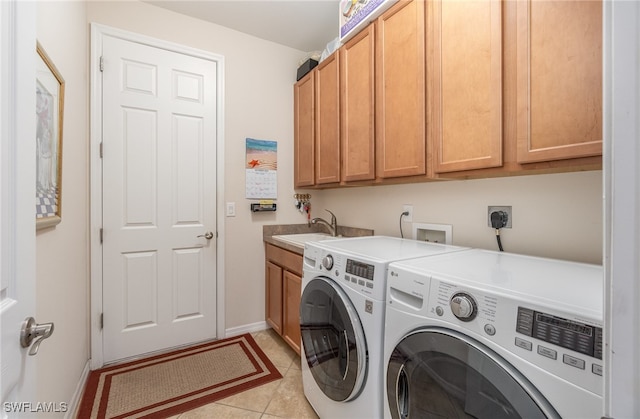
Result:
[[35, 407]]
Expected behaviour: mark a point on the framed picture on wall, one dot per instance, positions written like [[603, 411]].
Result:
[[49, 117]]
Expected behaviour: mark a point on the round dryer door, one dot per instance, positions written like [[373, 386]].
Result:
[[435, 372], [333, 339]]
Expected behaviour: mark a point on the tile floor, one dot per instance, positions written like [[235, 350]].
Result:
[[283, 398]]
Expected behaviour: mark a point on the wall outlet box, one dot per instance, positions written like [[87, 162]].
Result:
[[506, 209], [434, 233], [407, 208]]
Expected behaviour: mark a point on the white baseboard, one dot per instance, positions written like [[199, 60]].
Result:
[[247, 328], [74, 403]]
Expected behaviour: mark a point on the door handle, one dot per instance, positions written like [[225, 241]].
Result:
[[208, 235], [31, 331]]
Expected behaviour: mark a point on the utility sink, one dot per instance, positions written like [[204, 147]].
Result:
[[300, 239]]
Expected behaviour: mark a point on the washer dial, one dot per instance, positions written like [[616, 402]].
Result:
[[463, 306], [327, 262]]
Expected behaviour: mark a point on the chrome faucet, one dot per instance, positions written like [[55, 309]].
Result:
[[333, 225]]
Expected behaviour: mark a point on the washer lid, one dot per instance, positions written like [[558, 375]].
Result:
[[384, 249], [576, 286]]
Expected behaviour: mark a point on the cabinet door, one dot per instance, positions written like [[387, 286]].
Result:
[[292, 293], [273, 309], [400, 91], [465, 43], [559, 86], [303, 140], [327, 123], [357, 106]]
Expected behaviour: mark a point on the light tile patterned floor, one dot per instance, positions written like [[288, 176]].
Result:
[[279, 399]]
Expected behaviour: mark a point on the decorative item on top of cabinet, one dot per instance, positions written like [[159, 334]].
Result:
[[327, 121], [465, 94], [400, 91], [559, 85], [303, 139], [357, 106]]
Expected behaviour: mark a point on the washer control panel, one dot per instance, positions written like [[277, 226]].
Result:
[[364, 277], [557, 342], [576, 336]]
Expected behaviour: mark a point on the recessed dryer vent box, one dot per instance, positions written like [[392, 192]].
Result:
[[434, 233]]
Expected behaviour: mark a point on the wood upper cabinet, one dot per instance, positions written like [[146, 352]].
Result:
[[559, 84], [327, 121], [304, 131], [400, 91], [465, 88], [464, 45], [357, 106]]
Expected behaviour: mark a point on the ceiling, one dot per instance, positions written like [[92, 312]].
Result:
[[306, 25]]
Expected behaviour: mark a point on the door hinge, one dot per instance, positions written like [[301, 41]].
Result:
[[101, 63], [101, 321], [101, 149], [101, 235]]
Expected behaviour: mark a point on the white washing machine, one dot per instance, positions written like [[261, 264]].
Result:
[[481, 334], [342, 321]]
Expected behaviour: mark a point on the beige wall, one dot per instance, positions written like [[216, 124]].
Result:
[[258, 103], [557, 215], [63, 251]]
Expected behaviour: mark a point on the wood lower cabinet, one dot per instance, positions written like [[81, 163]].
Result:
[[292, 291], [283, 282], [273, 303]]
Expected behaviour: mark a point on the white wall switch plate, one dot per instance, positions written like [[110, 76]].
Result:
[[231, 209]]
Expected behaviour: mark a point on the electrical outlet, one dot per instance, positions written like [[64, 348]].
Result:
[[408, 208], [506, 209]]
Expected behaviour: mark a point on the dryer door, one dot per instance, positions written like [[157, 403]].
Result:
[[436, 372], [333, 339]]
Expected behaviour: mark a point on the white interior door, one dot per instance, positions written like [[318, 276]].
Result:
[[17, 200], [159, 199]]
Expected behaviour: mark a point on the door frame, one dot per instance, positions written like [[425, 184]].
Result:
[[98, 31], [621, 159]]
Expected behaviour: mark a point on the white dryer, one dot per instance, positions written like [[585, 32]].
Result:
[[481, 334], [342, 321]]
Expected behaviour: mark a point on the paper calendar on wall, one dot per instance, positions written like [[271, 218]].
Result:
[[261, 169]]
